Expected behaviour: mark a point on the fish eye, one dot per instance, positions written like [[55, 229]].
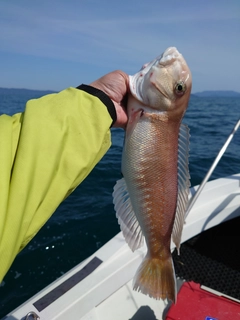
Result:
[[180, 88]]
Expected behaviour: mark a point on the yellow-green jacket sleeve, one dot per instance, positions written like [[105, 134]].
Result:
[[45, 153]]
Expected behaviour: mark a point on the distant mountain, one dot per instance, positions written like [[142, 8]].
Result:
[[23, 91], [203, 94], [206, 94]]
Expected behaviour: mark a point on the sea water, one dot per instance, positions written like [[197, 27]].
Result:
[[86, 219]]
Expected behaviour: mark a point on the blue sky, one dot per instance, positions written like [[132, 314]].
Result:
[[56, 44]]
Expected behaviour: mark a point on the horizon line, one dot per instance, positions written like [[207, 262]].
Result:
[[55, 91]]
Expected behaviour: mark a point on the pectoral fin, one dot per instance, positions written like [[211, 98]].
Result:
[[126, 217], [133, 120]]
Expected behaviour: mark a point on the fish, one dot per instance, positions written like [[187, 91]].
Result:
[[150, 199]]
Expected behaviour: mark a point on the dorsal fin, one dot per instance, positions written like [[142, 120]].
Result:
[[126, 217], [183, 184]]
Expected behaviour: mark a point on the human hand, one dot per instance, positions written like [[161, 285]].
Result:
[[115, 84]]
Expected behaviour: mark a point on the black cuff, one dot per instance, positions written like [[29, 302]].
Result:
[[103, 97]]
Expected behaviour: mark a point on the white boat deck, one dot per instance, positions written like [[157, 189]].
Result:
[[100, 287]]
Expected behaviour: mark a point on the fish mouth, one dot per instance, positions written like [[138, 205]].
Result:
[[169, 56]]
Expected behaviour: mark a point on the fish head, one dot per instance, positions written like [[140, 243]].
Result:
[[164, 84]]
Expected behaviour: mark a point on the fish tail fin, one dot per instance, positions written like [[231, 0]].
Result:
[[156, 278]]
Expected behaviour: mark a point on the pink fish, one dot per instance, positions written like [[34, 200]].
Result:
[[150, 200]]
